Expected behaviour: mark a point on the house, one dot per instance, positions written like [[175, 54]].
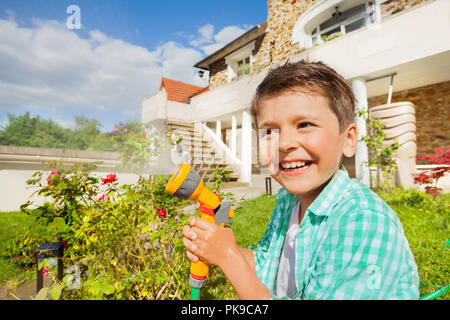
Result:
[[390, 52]]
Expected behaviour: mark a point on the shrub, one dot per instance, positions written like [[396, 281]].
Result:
[[441, 157], [126, 240]]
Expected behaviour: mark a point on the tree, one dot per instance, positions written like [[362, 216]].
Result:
[[33, 132]]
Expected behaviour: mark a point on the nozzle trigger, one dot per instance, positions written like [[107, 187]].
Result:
[[222, 213]]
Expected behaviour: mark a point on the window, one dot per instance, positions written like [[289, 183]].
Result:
[[344, 22], [322, 21], [243, 67], [240, 62]]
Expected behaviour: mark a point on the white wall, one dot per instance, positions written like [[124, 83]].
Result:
[[14, 190]]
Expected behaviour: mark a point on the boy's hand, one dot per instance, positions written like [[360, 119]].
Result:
[[207, 241], [217, 246]]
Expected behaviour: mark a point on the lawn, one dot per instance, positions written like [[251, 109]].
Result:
[[12, 226], [425, 221]]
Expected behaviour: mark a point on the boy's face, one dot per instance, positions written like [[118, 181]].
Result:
[[306, 139]]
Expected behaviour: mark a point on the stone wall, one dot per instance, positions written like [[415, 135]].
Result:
[[217, 73], [432, 105], [275, 46], [395, 6], [282, 17]]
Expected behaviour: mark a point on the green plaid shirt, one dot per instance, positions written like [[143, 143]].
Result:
[[350, 245]]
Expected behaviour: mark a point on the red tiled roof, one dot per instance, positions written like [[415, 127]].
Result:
[[179, 91]]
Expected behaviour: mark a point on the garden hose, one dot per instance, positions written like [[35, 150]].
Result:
[[196, 293], [440, 292], [436, 294]]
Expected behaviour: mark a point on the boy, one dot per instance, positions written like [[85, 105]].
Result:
[[329, 237]]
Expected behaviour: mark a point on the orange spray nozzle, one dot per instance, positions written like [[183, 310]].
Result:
[[188, 184]]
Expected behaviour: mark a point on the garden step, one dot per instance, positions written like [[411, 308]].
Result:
[[204, 158]]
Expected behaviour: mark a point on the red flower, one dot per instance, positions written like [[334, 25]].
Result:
[[103, 197], [64, 244], [45, 272], [116, 126], [109, 178], [162, 213], [52, 173]]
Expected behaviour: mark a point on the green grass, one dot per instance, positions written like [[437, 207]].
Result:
[[251, 219], [12, 226], [425, 221]]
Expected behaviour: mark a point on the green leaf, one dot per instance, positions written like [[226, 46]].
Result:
[[43, 264], [55, 292], [42, 294], [61, 185], [107, 288], [58, 225]]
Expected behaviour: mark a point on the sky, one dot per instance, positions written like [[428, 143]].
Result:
[[104, 64]]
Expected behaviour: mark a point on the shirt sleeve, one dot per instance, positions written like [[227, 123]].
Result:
[[365, 256], [264, 253]]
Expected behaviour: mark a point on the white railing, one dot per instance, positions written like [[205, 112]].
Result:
[[219, 146]]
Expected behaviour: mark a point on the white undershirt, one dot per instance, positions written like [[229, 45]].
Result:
[[286, 286]]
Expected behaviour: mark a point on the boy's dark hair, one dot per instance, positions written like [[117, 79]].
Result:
[[309, 77]]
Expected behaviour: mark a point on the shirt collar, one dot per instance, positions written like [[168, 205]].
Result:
[[331, 194]]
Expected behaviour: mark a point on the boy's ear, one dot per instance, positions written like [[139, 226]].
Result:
[[351, 137]]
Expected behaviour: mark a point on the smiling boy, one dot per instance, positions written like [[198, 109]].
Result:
[[329, 236]]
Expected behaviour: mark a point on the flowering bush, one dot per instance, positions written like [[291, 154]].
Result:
[[126, 240], [432, 176]]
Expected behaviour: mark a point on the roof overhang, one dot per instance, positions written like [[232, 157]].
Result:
[[242, 40]]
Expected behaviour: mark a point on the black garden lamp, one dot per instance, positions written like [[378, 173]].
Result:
[[53, 253], [269, 185]]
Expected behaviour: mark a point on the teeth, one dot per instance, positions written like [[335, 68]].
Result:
[[289, 165]]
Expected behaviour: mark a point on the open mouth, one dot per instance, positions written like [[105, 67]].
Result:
[[295, 166]]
